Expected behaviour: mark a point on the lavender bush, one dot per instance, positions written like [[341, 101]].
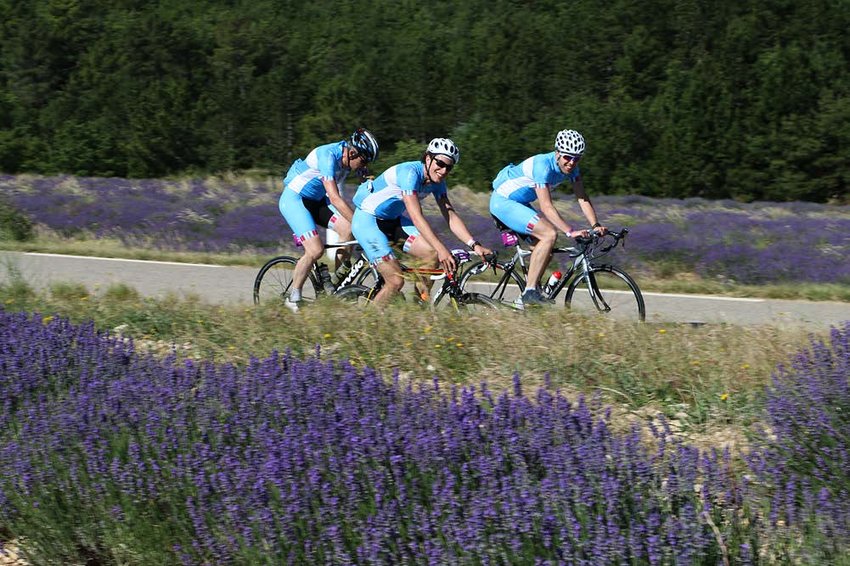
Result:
[[194, 215], [806, 461], [114, 457], [748, 243]]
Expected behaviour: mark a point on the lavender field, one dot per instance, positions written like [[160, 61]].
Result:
[[721, 241], [112, 456]]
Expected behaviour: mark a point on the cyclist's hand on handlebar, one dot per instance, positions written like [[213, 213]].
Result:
[[482, 251], [575, 234], [601, 230]]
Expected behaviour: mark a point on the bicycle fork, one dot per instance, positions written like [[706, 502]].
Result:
[[593, 288]]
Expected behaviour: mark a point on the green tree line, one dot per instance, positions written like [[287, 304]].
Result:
[[712, 98]]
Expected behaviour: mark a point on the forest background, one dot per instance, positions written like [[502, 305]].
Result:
[[677, 98]]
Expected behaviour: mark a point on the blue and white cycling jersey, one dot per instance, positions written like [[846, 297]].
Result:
[[519, 182], [382, 198], [324, 162]]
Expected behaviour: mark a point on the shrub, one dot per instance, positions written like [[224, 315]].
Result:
[[804, 462], [114, 457], [14, 225]]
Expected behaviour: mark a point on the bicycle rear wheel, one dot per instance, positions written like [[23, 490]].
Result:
[[480, 279], [357, 294], [274, 281], [608, 291]]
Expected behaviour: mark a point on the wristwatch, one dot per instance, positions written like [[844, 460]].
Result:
[[596, 225], [472, 243]]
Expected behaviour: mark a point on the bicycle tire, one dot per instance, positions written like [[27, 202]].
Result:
[[476, 275], [359, 294], [473, 302], [619, 293], [274, 281], [367, 277]]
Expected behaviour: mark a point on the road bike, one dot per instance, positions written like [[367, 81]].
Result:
[[591, 287], [449, 294], [275, 277]]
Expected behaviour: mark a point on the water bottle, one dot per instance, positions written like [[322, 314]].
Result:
[[325, 278], [341, 273], [553, 280]]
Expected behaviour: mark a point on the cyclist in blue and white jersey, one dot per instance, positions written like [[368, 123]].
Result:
[[311, 196], [388, 211], [516, 186]]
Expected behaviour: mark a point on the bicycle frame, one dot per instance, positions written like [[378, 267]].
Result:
[[580, 267], [358, 266], [451, 283]]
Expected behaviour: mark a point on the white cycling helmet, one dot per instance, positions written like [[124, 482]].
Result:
[[570, 142], [444, 146]]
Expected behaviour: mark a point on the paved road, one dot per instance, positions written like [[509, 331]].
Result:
[[232, 285]]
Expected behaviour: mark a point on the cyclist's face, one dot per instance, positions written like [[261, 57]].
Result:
[[440, 166], [356, 160], [567, 162]]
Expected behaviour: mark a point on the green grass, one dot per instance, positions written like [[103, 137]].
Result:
[[706, 378]]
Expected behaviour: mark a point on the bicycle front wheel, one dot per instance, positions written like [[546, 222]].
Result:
[[606, 290], [502, 286], [274, 281]]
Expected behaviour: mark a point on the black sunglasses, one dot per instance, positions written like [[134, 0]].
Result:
[[443, 165]]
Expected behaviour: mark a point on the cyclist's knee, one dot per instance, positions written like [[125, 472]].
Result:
[[395, 282], [314, 248], [423, 251], [343, 229], [545, 232], [430, 256]]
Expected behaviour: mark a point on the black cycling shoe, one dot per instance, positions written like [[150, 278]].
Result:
[[534, 297]]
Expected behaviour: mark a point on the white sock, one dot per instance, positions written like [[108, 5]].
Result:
[[295, 295], [530, 288]]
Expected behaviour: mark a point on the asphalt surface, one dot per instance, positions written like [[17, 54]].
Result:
[[233, 285]]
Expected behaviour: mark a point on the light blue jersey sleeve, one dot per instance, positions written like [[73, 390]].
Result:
[[409, 177], [519, 182], [322, 163]]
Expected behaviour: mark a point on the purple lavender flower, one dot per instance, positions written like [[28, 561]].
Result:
[[317, 462]]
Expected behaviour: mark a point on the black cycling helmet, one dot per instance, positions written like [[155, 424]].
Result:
[[365, 144]]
